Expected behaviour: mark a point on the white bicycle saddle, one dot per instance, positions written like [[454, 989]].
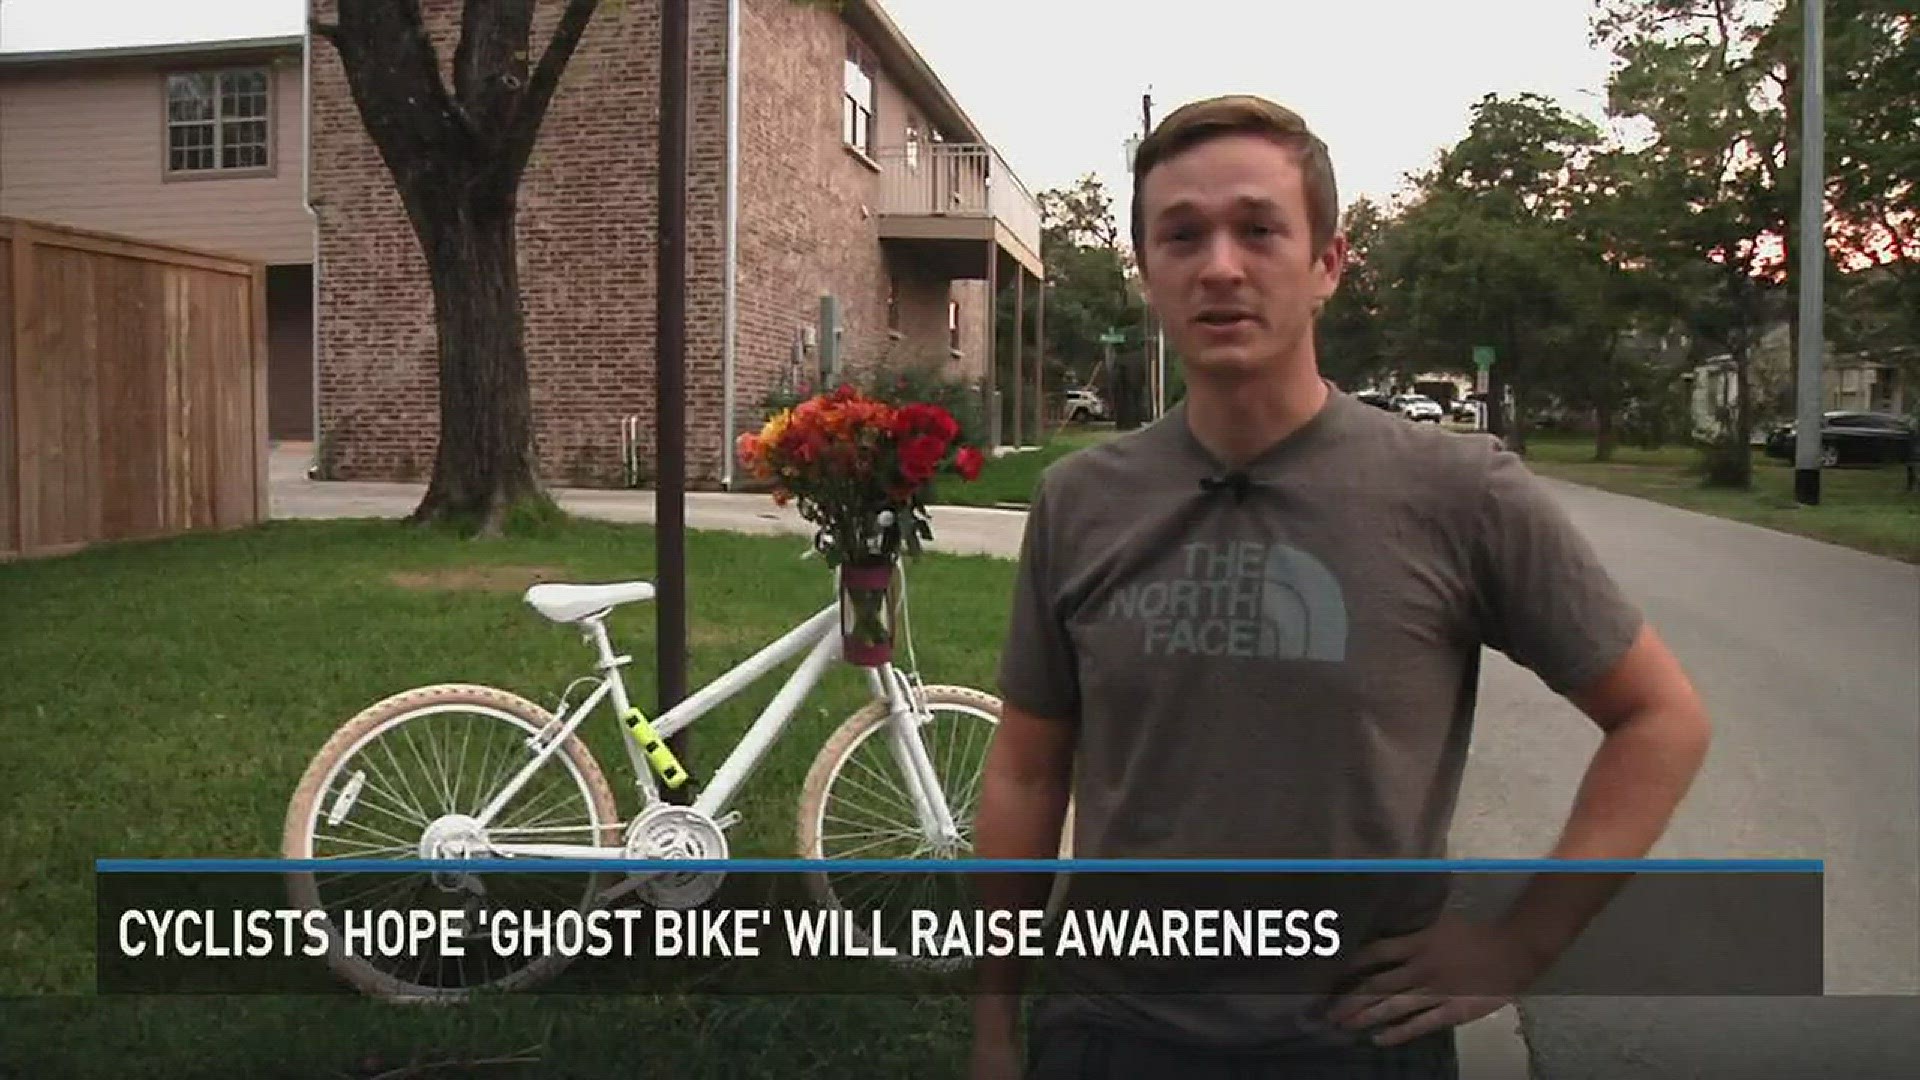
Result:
[[571, 603]]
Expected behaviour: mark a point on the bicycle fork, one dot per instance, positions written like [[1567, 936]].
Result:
[[910, 754]]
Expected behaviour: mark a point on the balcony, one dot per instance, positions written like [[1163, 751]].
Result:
[[947, 194]]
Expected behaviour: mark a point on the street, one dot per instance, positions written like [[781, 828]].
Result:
[[1808, 656]]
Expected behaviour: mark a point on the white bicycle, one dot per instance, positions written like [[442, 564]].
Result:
[[460, 771]]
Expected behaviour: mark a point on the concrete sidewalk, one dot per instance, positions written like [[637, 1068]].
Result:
[[1490, 1049], [956, 529]]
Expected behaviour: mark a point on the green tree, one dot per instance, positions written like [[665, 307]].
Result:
[[1351, 334], [1088, 289], [1485, 254], [1711, 178]]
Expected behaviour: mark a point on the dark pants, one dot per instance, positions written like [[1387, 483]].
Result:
[[1084, 1056]]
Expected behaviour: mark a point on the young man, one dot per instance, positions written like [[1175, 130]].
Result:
[[1252, 629]]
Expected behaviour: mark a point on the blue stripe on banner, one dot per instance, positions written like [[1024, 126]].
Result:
[[1178, 866]]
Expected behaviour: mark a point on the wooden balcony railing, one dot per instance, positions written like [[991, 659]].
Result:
[[958, 180]]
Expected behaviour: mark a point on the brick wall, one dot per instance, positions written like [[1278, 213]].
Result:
[[587, 220], [587, 259]]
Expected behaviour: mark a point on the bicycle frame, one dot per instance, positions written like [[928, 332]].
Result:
[[817, 641]]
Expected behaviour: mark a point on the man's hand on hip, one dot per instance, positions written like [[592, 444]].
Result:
[[1449, 974]]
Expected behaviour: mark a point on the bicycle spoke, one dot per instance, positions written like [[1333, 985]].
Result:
[[401, 772], [883, 778], [904, 799], [466, 734], [427, 774]]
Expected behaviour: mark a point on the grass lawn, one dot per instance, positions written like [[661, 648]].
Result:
[[1010, 480], [1866, 509], [162, 699]]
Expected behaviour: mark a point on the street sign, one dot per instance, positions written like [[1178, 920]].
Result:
[[1113, 337], [1483, 356]]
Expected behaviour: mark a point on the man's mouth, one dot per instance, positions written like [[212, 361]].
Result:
[[1224, 317]]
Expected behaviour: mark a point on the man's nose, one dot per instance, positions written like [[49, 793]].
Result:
[[1220, 260]]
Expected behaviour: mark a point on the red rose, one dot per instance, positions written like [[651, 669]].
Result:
[[920, 456], [969, 462], [923, 419]]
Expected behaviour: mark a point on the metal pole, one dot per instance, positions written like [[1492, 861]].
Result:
[[1155, 369], [670, 433], [1813, 256]]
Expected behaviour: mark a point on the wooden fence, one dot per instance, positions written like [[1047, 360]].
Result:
[[133, 390]]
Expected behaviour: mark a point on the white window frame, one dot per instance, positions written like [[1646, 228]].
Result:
[[218, 123], [860, 76]]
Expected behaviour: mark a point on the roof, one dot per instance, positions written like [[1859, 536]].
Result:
[[899, 56], [134, 52]]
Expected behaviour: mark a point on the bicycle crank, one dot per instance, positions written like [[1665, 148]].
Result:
[[666, 831]]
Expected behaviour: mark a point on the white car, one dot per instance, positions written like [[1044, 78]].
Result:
[[1084, 404], [1418, 407]]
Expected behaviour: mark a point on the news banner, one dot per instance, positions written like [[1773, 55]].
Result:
[[1722, 928]]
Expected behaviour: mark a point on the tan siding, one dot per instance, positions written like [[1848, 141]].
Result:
[[85, 147]]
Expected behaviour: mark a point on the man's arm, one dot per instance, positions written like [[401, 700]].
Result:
[[1656, 736], [1025, 788]]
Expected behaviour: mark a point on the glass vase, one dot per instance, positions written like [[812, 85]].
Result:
[[869, 610]]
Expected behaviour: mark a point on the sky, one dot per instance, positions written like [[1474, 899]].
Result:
[[1056, 85]]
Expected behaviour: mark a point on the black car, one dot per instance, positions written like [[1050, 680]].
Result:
[[1851, 438]]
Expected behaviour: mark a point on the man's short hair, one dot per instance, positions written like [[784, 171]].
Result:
[[1241, 114]]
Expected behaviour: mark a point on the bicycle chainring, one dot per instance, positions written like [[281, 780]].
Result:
[[665, 831]]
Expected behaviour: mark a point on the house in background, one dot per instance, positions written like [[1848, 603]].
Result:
[[872, 217], [1850, 382], [200, 145]]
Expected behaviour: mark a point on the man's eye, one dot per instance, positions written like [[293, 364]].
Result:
[[1259, 230], [1182, 234]]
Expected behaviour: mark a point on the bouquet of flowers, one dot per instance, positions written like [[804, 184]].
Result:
[[859, 469]]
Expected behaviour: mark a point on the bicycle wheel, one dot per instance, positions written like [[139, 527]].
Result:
[[855, 804], [406, 779]]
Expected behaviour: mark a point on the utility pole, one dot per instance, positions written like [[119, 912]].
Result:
[[1156, 368], [670, 431], [1813, 255]]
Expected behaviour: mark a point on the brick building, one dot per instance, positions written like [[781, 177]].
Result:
[[860, 185]]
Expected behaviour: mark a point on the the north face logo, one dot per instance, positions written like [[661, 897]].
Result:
[[1239, 599]]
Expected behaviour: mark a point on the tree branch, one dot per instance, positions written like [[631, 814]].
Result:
[[529, 107], [490, 63], [394, 76]]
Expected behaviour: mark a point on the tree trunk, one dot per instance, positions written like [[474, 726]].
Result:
[[1740, 452], [1606, 403], [484, 464]]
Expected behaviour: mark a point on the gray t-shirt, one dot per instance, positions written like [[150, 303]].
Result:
[[1290, 674]]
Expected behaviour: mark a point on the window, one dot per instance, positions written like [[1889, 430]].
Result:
[[953, 325], [217, 121], [857, 123], [893, 305], [913, 143]]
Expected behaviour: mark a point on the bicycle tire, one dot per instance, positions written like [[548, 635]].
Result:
[[844, 742], [304, 808]]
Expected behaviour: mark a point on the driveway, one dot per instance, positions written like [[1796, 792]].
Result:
[[1809, 658]]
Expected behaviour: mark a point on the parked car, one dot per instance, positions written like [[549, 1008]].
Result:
[[1084, 403], [1418, 407], [1851, 438], [1376, 399]]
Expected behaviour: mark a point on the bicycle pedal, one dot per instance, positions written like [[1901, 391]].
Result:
[[727, 820]]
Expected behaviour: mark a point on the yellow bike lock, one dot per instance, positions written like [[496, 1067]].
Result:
[[656, 749]]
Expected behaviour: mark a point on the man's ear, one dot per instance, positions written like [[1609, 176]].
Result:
[[1331, 263]]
